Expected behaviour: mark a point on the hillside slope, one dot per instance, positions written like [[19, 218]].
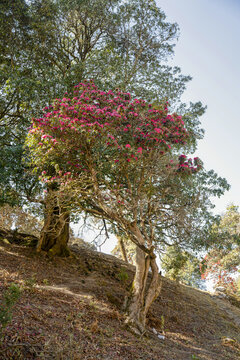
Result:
[[71, 309]]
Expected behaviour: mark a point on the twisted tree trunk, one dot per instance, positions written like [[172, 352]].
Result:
[[54, 236], [143, 293]]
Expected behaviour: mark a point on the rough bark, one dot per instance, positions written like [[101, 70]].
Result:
[[122, 248], [143, 292], [55, 233]]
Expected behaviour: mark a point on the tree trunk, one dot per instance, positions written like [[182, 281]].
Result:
[[55, 233], [142, 293], [122, 248]]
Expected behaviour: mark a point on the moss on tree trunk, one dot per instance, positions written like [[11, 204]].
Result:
[[54, 236]]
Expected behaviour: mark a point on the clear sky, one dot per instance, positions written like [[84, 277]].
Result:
[[208, 49]]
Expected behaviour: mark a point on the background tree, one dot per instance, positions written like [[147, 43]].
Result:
[[118, 159], [182, 266], [15, 218], [125, 249], [14, 30], [222, 262]]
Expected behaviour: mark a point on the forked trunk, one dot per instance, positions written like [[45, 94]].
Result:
[[55, 233], [143, 293]]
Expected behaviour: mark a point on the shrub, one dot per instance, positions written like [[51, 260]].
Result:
[[10, 297]]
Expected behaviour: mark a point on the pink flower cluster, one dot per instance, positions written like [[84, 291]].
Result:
[[125, 129]]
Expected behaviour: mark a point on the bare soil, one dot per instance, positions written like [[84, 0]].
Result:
[[71, 309]]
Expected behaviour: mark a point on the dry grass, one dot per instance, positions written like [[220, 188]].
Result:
[[71, 309]]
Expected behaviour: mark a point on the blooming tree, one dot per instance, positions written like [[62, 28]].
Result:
[[117, 158]]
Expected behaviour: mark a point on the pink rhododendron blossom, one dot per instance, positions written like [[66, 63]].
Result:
[[108, 124]]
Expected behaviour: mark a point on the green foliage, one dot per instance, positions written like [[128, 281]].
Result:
[[123, 276], [162, 324], [31, 282], [222, 261], [10, 297], [15, 99], [180, 265], [238, 285]]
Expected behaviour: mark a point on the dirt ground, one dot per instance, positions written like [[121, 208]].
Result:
[[71, 309]]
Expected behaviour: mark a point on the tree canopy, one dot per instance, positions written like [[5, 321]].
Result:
[[49, 46]]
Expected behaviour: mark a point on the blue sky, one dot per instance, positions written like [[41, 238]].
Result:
[[208, 49]]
